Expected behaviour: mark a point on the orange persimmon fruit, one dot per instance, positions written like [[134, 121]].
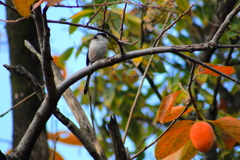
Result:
[[202, 136]]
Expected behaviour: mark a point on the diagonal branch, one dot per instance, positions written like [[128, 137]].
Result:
[[80, 134], [224, 25], [73, 103], [137, 53]]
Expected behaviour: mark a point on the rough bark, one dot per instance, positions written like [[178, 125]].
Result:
[[23, 115]]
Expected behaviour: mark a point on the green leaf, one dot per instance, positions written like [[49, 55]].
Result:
[[77, 17], [83, 13], [66, 55], [174, 40], [183, 5]]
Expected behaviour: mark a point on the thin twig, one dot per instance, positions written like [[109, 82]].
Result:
[[104, 15], [170, 26], [91, 111], [122, 22], [136, 99], [192, 100], [20, 102], [94, 15], [13, 21], [156, 42], [12, 8], [119, 2], [54, 148]]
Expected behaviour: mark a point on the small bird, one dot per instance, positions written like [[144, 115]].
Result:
[[97, 50]]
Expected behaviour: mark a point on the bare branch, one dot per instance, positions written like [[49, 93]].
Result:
[[76, 109], [122, 22], [94, 15], [47, 58], [170, 26], [137, 53]]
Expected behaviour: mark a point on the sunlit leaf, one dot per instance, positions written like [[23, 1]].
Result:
[[187, 152], [77, 17], [23, 7], [166, 106], [60, 64], [137, 61], [225, 69], [82, 13], [174, 139], [231, 125], [175, 112], [201, 79]]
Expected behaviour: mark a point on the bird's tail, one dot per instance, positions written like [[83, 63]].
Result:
[[87, 84]]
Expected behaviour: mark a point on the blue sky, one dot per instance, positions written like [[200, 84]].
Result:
[[60, 41]]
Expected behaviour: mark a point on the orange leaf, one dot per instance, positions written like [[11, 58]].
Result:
[[60, 65], [231, 125], [52, 2], [174, 139], [225, 69], [175, 112], [166, 106], [65, 137], [187, 152]]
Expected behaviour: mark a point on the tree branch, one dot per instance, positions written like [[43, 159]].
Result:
[[137, 53], [224, 25]]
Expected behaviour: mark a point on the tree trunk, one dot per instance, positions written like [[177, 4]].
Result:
[[19, 55]]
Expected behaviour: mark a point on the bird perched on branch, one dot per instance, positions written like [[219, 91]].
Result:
[[97, 50]]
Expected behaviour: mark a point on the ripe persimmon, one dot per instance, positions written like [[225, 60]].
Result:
[[202, 136]]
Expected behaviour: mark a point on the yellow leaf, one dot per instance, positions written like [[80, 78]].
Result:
[[23, 7], [137, 61], [82, 13]]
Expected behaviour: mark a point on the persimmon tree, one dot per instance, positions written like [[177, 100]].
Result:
[[174, 75]]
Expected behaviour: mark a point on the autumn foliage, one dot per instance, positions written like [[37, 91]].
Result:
[[183, 139]]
